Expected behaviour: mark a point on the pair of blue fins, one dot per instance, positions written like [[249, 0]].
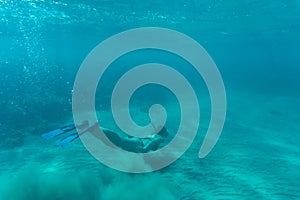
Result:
[[65, 129]]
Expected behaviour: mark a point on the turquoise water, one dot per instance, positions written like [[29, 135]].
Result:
[[255, 45]]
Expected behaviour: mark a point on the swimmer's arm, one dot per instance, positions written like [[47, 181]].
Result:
[[153, 144]]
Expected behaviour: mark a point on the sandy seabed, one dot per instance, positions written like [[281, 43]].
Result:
[[256, 157]]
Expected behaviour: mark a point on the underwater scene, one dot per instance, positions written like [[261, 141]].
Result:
[[213, 85]]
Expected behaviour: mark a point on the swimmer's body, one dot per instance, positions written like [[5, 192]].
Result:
[[126, 142]]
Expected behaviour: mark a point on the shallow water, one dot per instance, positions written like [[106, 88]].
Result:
[[255, 45]]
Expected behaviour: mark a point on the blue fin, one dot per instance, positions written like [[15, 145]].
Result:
[[59, 131], [67, 140]]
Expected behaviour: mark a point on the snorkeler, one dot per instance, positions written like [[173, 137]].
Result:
[[122, 140]]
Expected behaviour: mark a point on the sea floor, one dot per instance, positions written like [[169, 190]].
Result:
[[256, 157]]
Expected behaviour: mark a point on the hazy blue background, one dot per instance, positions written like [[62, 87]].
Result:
[[254, 43]]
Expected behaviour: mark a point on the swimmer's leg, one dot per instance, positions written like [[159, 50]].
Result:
[[114, 137]]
